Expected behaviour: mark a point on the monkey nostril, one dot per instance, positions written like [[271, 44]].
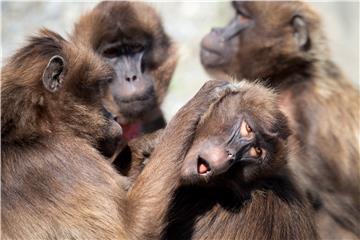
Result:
[[134, 77], [229, 154], [127, 79]]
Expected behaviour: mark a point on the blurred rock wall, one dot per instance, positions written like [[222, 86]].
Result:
[[187, 23]]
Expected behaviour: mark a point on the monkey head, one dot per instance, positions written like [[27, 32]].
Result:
[[263, 40], [130, 37], [242, 138], [60, 89]]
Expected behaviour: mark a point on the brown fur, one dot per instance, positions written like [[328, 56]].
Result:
[[321, 104], [55, 184], [114, 21], [135, 155], [268, 206], [50, 170]]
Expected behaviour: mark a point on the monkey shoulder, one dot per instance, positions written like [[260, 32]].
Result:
[[50, 184]]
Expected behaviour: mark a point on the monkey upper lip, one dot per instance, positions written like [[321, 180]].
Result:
[[210, 51], [146, 96]]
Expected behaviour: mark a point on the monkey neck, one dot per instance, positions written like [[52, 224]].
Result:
[[23, 118], [28, 115], [292, 74]]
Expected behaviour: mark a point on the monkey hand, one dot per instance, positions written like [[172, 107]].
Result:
[[180, 130]]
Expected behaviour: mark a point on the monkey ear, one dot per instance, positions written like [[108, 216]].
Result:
[[301, 34], [54, 74]]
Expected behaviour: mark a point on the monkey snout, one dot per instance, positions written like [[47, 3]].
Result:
[[211, 43], [214, 160]]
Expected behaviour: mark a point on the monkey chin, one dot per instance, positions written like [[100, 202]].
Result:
[[136, 108]]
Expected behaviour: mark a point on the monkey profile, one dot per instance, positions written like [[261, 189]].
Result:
[[283, 44], [130, 36], [53, 123]]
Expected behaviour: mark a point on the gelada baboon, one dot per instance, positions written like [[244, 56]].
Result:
[[130, 36], [52, 118], [235, 182], [283, 43], [228, 179], [54, 183]]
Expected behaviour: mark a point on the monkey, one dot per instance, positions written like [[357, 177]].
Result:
[[130, 36], [232, 181], [53, 124], [135, 154], [55, 181], [283, 44]]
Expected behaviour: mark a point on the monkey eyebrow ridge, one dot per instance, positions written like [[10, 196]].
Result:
[[234, 133]]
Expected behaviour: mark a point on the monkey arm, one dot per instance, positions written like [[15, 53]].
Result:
[[150, 196]]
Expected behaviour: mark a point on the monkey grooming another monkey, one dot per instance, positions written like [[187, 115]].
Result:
[[130, 36], [55, 184], [232, 181], [52, 118], [283, 43]]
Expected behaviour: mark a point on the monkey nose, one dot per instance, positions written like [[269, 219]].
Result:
[[214, 160]]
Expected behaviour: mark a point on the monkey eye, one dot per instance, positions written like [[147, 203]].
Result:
[[242, 13], [256, 152], [135, 48], [245, 129], [112, 52], [109, 80]]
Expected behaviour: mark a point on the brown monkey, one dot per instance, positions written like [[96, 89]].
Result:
[[130, 36], [283, 44], [52, 118], [231, 181], [50, 170]]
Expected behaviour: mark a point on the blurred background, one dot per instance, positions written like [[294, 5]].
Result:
[[186, 23]]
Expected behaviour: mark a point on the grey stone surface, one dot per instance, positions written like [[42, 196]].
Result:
[[186, 22]]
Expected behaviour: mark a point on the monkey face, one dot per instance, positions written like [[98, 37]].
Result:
[[131, 38], [236, 141], [132, 89], [262, 37]]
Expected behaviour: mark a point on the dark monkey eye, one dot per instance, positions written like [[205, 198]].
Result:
[[135, 48], [109, 80], [242, 13], [124, 49], [112, 52]]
